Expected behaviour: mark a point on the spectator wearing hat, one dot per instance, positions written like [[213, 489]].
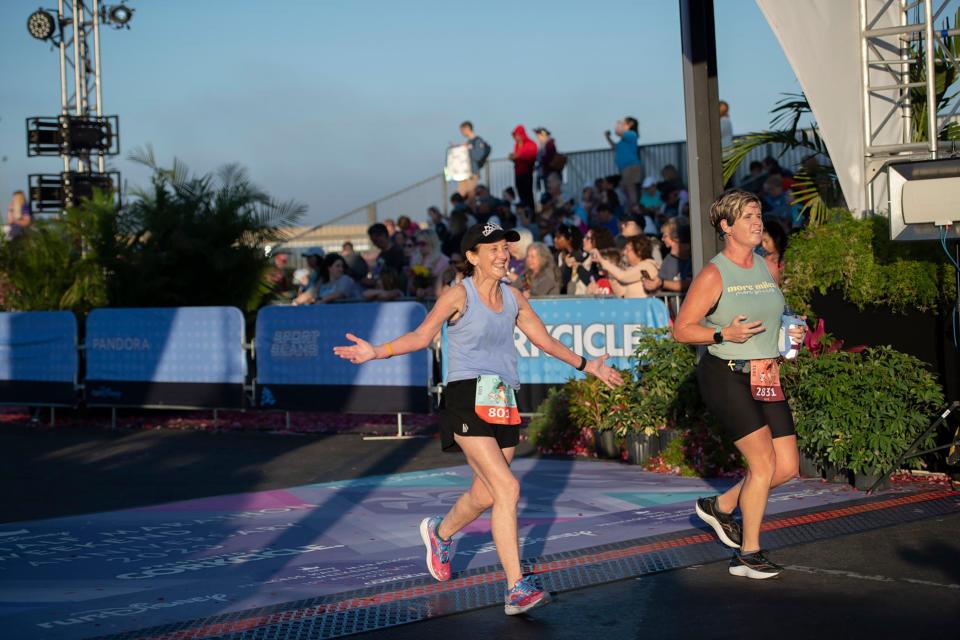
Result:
[[524, 157], [627, 156], [650, 195]]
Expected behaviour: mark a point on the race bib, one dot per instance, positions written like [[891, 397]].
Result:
[[495, 401], [765, 381]]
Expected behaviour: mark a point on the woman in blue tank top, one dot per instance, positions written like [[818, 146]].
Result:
[[734, 306], [480, 414]]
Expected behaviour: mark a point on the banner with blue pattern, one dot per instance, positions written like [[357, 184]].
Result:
[[590, 326], [180, 344], [38, 346], [294, 345]]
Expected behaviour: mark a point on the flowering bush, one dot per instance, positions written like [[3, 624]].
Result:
[[553, 432], [421, 276]]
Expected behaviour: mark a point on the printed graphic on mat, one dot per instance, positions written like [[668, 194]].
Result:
[[103, 573]]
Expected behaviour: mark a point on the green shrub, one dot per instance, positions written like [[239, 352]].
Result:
[[666, 388], [860, 411], [858, 258]]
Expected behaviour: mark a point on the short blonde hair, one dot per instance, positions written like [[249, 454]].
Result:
[[730, 206]]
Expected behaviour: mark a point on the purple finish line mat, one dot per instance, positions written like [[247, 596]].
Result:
[[115, 572]]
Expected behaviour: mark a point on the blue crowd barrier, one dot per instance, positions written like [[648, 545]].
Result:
[[297, 369], [38, 358], [189, 357]]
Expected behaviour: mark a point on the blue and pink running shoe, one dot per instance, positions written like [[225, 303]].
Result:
[[525, 595], [439, 551]]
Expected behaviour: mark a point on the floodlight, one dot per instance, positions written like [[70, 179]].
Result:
[[41, 25], [118, 16], [923, 196]]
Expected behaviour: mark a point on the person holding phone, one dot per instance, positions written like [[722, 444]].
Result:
[[638, 254], [480, 415], [734, 308]]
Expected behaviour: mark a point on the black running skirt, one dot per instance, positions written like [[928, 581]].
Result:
[[457, 416]]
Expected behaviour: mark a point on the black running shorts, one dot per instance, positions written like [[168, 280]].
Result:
[[458, 416], [727, 395]]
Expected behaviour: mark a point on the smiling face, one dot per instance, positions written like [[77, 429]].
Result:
[[630, 255], [336, 270], [746, 230], [490, 260]]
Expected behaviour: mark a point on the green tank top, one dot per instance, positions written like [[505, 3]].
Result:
[[748, 292]]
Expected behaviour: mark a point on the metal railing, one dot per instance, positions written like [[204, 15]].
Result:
[[583, 167]]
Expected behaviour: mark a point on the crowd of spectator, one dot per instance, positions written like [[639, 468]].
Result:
[[624, 235]]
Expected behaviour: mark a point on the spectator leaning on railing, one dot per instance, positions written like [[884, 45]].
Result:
[[541, 276], [337, 284], [640, 266], [518, 254], [676, 270], [427, 255]]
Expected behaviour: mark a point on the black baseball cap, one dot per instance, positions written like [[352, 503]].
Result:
[[486, 233]]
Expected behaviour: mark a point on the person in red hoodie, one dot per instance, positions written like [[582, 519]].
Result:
[[524, 156]]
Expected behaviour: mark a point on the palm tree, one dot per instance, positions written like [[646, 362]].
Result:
[[816, 187], [199, 239]]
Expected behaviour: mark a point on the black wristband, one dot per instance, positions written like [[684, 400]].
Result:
[[583, 364]]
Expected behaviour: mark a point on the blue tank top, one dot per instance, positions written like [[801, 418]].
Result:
[[480, 342]]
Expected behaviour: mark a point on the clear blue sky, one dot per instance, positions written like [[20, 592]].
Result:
[[337, 103]]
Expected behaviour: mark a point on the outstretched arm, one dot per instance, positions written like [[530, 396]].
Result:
[[532, 326], [448, 305]]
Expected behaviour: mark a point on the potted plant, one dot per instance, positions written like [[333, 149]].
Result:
[[624, 420], [589, 406], [859, 411], [667, 395]]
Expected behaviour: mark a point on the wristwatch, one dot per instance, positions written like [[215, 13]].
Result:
[[717, 337]]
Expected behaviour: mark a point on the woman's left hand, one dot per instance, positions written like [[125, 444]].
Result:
[[608, 375], [797, 333]]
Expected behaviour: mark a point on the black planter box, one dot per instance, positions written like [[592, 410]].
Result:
[[641, 447], [926, 336], [606, 444]]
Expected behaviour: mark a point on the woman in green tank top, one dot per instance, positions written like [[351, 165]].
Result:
[[734, 307]]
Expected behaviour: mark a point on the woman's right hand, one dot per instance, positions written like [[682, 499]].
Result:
[[358, 353], [740, 331]]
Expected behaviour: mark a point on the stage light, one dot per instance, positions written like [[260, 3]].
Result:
[[41, 25], [53, 192], [119, 16], [73, 135]]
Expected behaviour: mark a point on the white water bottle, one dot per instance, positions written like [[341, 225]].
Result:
[[788, 348]]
